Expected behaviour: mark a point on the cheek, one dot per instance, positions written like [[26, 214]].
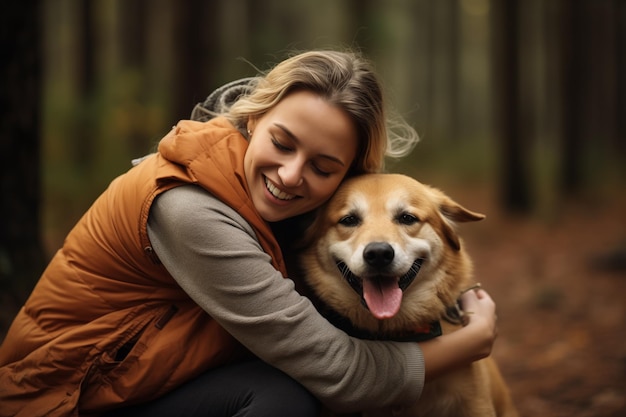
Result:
[[249, 156], [254, 158]]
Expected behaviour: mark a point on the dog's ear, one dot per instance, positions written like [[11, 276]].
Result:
[[457, 213], [453, 212]]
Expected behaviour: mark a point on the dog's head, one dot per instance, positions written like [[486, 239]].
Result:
[[384, 241]]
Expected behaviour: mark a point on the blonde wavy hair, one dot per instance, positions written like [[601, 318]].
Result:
[[343, 79]]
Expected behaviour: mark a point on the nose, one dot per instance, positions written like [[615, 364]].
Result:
[[290, 172], [378, 254]]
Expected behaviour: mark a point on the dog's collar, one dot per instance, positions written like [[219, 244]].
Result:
[[417, 335]]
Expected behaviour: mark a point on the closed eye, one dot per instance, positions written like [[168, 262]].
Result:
[[280, 146], [320, 171], [314, 166]]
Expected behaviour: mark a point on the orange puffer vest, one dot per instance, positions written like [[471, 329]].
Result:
[[106, 323]]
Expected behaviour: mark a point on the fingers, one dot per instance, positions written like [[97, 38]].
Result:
[[480, 307], [482, 294], [470, 299], [477, 299]]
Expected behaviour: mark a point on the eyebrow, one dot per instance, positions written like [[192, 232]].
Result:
[[295, 139]]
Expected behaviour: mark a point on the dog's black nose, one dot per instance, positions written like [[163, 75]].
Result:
[[378, 254]]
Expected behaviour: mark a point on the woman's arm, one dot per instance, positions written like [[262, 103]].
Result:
[[214, 256], [471, 343]]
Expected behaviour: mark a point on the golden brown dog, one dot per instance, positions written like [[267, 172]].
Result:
[[383, 255]]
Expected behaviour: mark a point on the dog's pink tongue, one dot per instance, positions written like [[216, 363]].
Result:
[[383, 297]]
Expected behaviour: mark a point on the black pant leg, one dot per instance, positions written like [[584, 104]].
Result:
[[247, 389]]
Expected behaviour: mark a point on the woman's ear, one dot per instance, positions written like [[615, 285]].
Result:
[[250, 125]]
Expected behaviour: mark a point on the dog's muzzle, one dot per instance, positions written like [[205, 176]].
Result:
[[378, 256]]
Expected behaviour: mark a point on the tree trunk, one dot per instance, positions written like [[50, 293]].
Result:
[[21, 250], [83, 141], [360, 22], [573, 45], [133, 17], [513, 145], [619, 25], [196, 54]]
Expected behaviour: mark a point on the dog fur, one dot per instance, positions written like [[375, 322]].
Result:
[[380, 232]]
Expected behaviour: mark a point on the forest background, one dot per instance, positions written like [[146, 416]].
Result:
[[521, 106]]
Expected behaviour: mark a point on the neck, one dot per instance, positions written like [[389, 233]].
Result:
[[431, 331]]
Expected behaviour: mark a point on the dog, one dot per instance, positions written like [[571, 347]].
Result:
[[384, 258]]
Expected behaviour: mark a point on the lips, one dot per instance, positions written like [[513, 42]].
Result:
[[276, 192], [382, 295]]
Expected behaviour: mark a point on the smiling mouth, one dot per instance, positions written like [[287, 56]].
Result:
[[276, 192], [381, 295]]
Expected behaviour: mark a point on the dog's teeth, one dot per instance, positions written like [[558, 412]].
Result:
[[408, 278]]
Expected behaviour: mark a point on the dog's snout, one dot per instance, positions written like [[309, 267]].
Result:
[[378, 254]]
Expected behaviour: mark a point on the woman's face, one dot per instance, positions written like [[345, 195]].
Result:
[[298, 154]]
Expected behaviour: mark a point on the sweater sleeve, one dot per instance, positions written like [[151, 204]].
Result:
[[213, 254]]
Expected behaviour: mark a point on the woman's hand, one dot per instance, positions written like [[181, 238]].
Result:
[[468, 344], [480, 311]]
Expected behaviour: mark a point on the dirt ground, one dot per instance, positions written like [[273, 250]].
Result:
[[560, 289]]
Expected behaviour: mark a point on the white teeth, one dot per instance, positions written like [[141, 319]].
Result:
[[281, 195]]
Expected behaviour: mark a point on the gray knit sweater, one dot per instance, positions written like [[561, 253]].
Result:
[[213, 254]]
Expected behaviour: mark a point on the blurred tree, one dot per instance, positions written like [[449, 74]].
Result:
[[574, 41], [133, 16], [445, 62], [132, 26], [602, 71], [454, 24], [513, 145], [196, 51], [361, 16], [592, 91], [84, 144], [21, 253], [619, 24]]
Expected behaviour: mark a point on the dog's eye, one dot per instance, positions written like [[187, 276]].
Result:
[[350, 220], [407, 219]]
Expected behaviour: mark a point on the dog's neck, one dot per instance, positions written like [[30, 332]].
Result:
[[432, 331]]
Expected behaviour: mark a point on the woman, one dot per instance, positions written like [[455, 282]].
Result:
[[171, 287]]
